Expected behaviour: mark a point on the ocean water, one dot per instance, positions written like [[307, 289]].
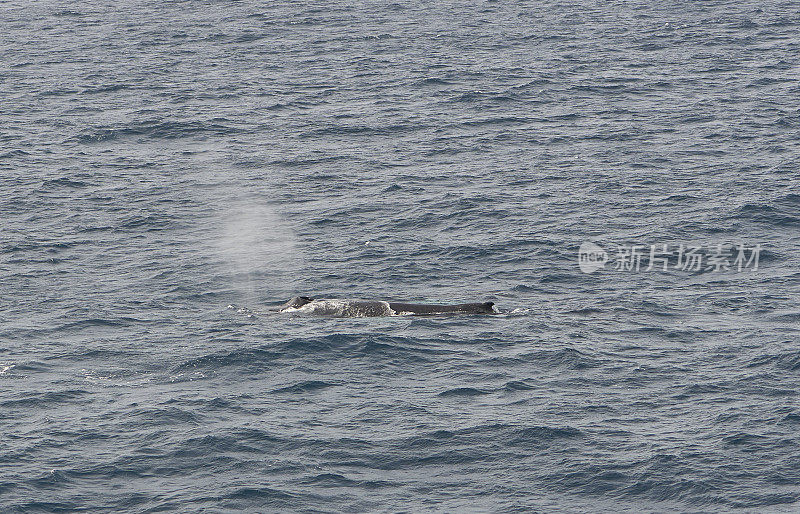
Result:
[[169, 171]]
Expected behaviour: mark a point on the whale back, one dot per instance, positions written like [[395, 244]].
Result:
[[336, 307], [461, 308], [361, 308]]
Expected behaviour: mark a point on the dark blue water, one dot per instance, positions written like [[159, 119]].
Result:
[[160, 161]]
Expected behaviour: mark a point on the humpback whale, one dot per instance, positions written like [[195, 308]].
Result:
[[369, 308]]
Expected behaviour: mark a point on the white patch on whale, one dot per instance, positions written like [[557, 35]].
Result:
[[339, 308]]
